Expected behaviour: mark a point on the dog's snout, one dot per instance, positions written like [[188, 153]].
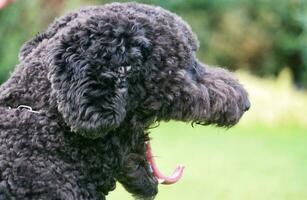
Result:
[[247, 105]]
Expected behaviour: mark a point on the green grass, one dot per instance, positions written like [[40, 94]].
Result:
[[243, 163]]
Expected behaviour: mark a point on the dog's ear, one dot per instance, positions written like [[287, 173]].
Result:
[[88, 73]]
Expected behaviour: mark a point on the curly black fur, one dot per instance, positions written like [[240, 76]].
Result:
[[99, 78]]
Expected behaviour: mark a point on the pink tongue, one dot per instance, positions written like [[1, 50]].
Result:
[[177, 174]]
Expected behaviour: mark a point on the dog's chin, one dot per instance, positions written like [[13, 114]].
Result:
[[140, 184], [145, 193], [137, 197]]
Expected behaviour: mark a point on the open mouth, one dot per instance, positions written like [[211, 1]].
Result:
[[167, 180]]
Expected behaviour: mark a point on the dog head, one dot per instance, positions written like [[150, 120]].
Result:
[[111, 64]]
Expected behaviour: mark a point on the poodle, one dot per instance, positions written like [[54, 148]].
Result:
[[76, 112]]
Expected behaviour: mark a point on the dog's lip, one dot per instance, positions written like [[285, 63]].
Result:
[[167, 180]]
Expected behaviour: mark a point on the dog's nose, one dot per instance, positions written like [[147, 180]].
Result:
[[247, 105]]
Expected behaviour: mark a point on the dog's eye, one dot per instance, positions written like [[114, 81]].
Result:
[[124, 70]]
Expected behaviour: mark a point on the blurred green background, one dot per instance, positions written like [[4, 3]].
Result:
[[265, 43]]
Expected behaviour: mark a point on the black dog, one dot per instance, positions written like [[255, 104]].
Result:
[[75, 114]]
